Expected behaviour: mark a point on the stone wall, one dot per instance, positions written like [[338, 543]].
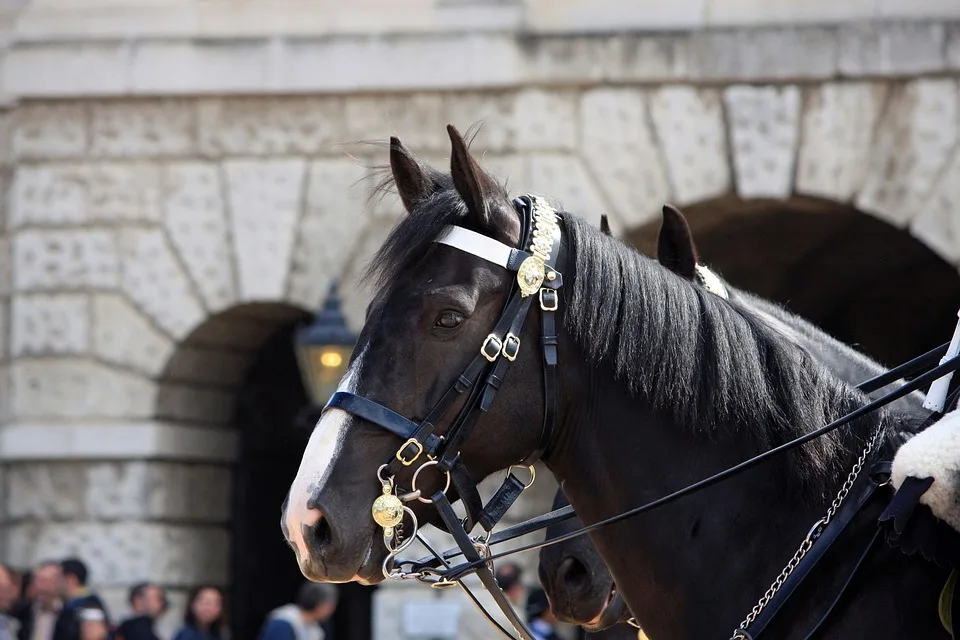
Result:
[[173, 195]]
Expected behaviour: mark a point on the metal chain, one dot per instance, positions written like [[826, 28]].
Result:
[[811, 536]]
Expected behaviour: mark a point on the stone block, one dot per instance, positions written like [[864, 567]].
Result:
[[265, 199], [155, 281], [417, 119], [565, 182], [125, 552], [6, 267], [42, 131], [764, 54], [186, 403], [142, 128], [52, 491], [937, 223], [83, 258], [902, 48], [328, 230], [65, 69], [914, 9], [355, 292], [123, 336], [914, 141], [605, 16], [491, 111], [270, 126], [545, 120], [49, 324], [196, 222], [789, 12], [692, 134], [838, 127], [764, 123], [84, 194], [66, 388], [620, 153]]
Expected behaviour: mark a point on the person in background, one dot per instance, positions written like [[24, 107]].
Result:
[[9, 597], [509, 576], [92, 623], [540, 617], [147, 603], [315, 604], [203, 619], [39, 610], [76, 595]]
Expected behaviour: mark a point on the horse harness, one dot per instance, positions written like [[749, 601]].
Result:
[[537, 279]]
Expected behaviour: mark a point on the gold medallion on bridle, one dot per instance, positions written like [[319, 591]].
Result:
[[387, 509], [530, 275]]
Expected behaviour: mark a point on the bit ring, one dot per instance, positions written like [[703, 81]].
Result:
[[413, 483]]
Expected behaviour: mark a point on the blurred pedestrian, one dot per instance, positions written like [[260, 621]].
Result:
[[76, 595], [92, 623], [509, 577], [38, 611], [315, 604], [148, 603], [540, 617], [203, 619], [9, 597]]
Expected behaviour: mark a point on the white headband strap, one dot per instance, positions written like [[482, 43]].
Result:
[[477, 244]]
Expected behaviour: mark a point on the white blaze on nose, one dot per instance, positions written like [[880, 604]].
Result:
[[318, 460]]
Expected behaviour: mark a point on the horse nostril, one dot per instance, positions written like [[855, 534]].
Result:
[[572, 573], [322, 535]]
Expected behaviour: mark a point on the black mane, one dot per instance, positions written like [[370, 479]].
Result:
[[706, 363]]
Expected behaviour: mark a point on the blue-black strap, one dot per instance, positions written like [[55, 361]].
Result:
[[380, 416]]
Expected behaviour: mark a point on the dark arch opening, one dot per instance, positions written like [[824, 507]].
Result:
[[265, 574], [860, 279]]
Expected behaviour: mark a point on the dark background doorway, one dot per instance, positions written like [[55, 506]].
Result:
[[264, 572]]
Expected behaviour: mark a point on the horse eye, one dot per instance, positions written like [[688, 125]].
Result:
[[449, 320]]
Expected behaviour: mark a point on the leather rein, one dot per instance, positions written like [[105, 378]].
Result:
[[538, 280]]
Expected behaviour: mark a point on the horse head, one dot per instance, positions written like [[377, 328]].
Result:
[[431, 317]]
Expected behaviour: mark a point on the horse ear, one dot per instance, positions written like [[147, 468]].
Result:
[[413, 178], [675, 247], [605, 225], [472, 182]]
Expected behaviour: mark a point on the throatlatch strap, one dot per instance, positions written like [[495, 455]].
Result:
[[483, 571]]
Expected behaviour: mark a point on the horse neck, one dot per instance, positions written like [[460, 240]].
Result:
[[614, 452], [848, 364], [618, 455]]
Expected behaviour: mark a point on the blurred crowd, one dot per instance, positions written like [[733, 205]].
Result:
[[53, 601]]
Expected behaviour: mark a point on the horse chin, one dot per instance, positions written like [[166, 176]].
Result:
[[613, 611]]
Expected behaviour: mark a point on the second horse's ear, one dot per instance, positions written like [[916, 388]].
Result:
[[676, 250], [605, 225]]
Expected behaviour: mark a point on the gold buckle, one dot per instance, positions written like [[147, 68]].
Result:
[[511, 347], [491, 341], [414, 442], [556, 300]]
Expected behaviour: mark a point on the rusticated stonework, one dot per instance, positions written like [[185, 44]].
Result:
[[168, 204]]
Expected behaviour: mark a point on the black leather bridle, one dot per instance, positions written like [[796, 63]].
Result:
[[481, 380], [537, 279]]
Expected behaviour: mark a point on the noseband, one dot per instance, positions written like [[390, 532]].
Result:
[[537, 279]]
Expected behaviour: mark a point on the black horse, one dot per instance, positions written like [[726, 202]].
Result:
[[660, 384], [578, 583]]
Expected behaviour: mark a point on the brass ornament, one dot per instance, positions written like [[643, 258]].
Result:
[[387, 509], [530, 275], [533, 271]]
